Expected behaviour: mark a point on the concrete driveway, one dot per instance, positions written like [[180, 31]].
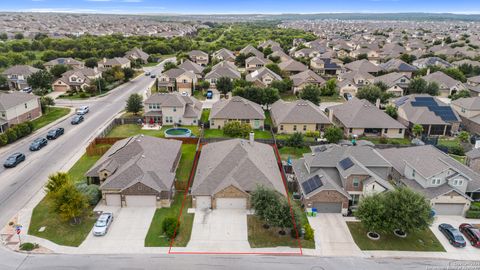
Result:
[[332, 237], [467, 252], [126, 234], [219, 231]]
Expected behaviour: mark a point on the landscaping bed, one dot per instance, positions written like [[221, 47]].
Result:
[[417, 241], [402, 141], [156, 238], [218, 133], [51, 115]]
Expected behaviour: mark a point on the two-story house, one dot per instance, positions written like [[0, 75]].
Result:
[[121, 62], [178, 79], [334, 178], [305, 78], [18, 107], [64, 61], [447, 85], [76, 79], [137, 54], [172, 108], [224, 55], [350, 82], [198, 57], [469, 111], [396, 82], [223, 69], [17, 76]]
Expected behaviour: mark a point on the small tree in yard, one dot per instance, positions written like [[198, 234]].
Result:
[[417, 130], [295, 140], [128, 73], [56, 181], [333, 134], [134, 104], [464, 136], [372, 213], [169, 226], [224, 85], [312, 93], [330, 88], [236, 129], [70, 203], [40, 80], [392, 111], [46, 102], [264, 201]]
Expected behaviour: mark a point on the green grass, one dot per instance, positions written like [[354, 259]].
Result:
[[205, 115], [186, 162], [375, 140], [78, 170], [134, 129], [218, 133], [293, 152], [288, 96], [259, 237], [449, 142], [200, 95], [418, 241], [268, 118], [460, 159], [150, 64], [52, 114], [155, 236], [285, 137], [335, 98]]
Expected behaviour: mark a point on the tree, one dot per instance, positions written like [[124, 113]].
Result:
[[203, 85], [3, 36], [168, 66], [128, 73], [407, 210], [275, 68], [169, 226], [392, 111], [282, 86], [40, 80], [333, 134], [58, 70], [91, 62], [237, 129], [420, 86], [464, 136], [407, 58], [455, 73], [55, 182], [224, 85], [362, 56], [460, 94], [46, 102], [372, 93], [3, 82], [70, 203], [134, 103], [295, 140], [417, 130], [383, 86], [264, 200], [311, 93], [372, 213], [270, 95], [330, 88], [18, 36]]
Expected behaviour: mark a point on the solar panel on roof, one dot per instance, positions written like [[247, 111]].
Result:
[[444, 112], [312, 184], [401, 101], [346, 163]]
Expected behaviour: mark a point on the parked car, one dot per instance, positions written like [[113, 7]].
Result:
[[27, 90], [55, 133], [471, 233], [38, 144], [13, 160], [103, 223], [153, 76], [83, 110], [147, 73], [453, 235], [77, 119], [347, 96], [209, 94]]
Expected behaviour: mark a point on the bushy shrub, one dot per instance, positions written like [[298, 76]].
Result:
[[309, 232], [237, 129], [82, 95], [295, 140], [169, 225], [473, 214], [3, 139], [91, 192], [456, 150], [312, 134], [11, 135], [28, 246], [383, 140]]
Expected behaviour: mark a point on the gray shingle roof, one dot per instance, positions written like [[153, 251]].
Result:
[[260, 73], [363, 65], [471, 103], [191, 66], [10, 100], [306, 76], [397, 65], [297, 112], [442, 79], [236, 162], [20, 70], [292, 65], [420, 114], [236, 108]]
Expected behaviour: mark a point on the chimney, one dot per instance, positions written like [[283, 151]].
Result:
[[95, 69], [251, 138], [477, 144], [104, 60], [377, 103], [330, 114], [428, 71]]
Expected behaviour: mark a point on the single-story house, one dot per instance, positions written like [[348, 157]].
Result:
[[236, 109]]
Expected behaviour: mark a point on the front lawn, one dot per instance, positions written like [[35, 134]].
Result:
[[268, 118], [418, 241], [289, 96], [129, 130], [293, 152], [334, 98], [155, 236], [259, 237], [186, 162], [205, 115], [218, 133], [52, 114], [84, 164], [375, 140]]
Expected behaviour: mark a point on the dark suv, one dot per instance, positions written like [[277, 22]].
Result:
[[77, 119], [13, 160], [55, 133], [38, 144]]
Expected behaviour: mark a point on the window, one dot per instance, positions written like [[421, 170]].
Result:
[[304, 127], [463, 110], [174, 109], [458, 182], [356, 182], [26, 105], [413, 173], [436, 181], [294, 127], [350, 130], [400, 131], [355, 199], [281, 127], [386, 130]]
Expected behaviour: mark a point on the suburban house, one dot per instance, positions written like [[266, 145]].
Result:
[[350, 82], [76, 79], [282, 56], [469, 111], [306, 53], [291, 67], [443, 180], [298, 116], [64, 61], [178, 79], [334, 178], [236, 109], [254, 63], [447, 85], [396, 82], [223, 69], [305, 78], [362, 118], [397, 65], [364, 66], [431, 61], [371, 54], [121, 62], [193, 67], [472, 160], [249, 49], [269, 43], [326, 66], [137, 171], [263, 77], [229, 171], [198, 57], [436, 117], [18, 107], [137, 54], [224, 55], [17, 76], [172, 108]]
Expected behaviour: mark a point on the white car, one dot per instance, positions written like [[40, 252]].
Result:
[[103, 223], [83, 110]]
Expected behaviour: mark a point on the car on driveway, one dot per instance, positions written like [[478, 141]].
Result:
[[38, 144], [83, 110], [453, 235], [55, 133], [77, 119], [13, 160], [103, 223], [471, 233]]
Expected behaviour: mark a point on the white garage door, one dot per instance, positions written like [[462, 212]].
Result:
[[141, 200], [203, 202], [113, 199], [451, 209], [231, 203]]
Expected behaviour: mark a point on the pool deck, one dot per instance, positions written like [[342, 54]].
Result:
[[151, 127]]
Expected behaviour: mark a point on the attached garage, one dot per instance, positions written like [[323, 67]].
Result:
[[328, 207], [231, 203], [113, 200], [451, 209], [141, 200], [203, 202]]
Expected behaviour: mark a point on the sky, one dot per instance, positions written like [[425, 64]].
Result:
[[242, 6]]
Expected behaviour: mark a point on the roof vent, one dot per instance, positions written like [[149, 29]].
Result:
[[143, 156]]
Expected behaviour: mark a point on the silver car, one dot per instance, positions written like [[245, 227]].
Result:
[[103, 223], [83, 110]]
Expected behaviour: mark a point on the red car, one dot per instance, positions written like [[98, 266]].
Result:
[[471, 233]]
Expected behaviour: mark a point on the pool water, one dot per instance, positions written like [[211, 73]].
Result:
[[178, 133]]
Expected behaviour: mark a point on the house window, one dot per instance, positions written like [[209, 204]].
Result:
[[386, 130], [281, 127], [356, 182], [436, 181], [139, 187], [413, 173], [304, 127], [174, 109], [194, 121], [294, 127], [463, 110], [458, 182], [26, 105], [355, 199], [350, 130], [400, 131]]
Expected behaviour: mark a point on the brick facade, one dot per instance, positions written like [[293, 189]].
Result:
[[327, 196], [28, 116], [349, 182]]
